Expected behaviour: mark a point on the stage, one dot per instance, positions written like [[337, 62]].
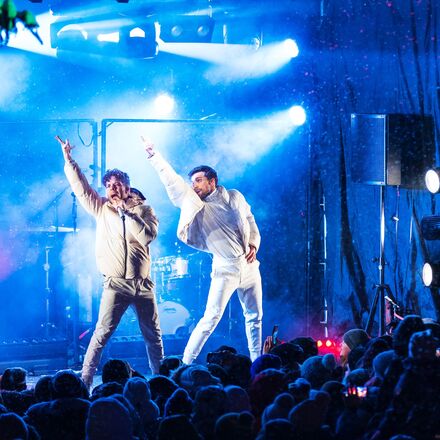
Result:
[[324, 116]]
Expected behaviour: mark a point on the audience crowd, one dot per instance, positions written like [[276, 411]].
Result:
[[377, 388]]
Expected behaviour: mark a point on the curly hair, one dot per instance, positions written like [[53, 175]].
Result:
[[117, 174]]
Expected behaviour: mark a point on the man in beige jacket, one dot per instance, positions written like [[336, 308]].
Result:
[[124, 229]]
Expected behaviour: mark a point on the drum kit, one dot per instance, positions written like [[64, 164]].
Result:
[[178, 284], [47, 241]]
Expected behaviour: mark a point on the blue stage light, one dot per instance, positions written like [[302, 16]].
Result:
[[297, 115], [291, 48], [164, 104]]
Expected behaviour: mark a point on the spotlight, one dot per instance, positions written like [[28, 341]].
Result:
[[112, 37], [71, 37], [176, 31], [242, 31], [203, 31], [187, 29], [291, 48], [137, 32], [432, 180], [431, 274], [140, 42], [164, 104], [105, 37], [326, 346], [297, 115]]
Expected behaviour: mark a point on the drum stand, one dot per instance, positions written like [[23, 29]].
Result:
[[48, 326]]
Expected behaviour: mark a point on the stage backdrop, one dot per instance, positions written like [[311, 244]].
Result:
[[320, 223]]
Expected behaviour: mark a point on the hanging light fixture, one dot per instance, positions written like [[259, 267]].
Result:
[[431, 274], [432, 180]]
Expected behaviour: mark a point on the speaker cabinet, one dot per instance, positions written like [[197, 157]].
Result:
[[391, 149]]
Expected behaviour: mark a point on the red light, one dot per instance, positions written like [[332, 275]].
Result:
[[326, 346]]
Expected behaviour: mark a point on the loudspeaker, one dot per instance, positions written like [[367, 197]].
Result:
[[391, 149]]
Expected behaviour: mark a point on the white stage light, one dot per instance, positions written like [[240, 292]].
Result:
[[432, 180], [164, 104], [297, 115], [112, 37], [72, 29], [137, 32], [291, 48]]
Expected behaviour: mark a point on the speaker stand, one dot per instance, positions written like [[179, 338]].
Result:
[[382, 289]]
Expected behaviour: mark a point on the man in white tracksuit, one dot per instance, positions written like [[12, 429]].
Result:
[[220, 222], [125, 227]]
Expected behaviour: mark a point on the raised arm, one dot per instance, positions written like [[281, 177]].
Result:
[[179, 192], [87, 196]]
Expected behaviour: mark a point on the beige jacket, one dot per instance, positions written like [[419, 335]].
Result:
[[117, 256]]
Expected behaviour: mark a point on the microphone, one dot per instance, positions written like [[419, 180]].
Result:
[[121, 212], [391, 301]]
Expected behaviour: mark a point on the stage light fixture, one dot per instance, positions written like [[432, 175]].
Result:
[[291, 48], [130, 41], [112, 37], [176, 31], [431, 274], [72, 37], [326, 346], [432, 180], [430, 226], [139, 42], [187, 29], [164, 104], [297, 115]]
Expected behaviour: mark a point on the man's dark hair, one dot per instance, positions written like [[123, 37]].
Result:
[[118, 174], [210, 173]]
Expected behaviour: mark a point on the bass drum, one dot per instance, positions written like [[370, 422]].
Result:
[[175, 319]]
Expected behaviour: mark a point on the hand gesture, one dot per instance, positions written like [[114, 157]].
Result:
[[66, 148], [251, 256], [268, 345], [149, 146]]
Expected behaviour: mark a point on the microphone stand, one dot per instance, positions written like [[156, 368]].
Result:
[[48, 326], [75, 298]]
